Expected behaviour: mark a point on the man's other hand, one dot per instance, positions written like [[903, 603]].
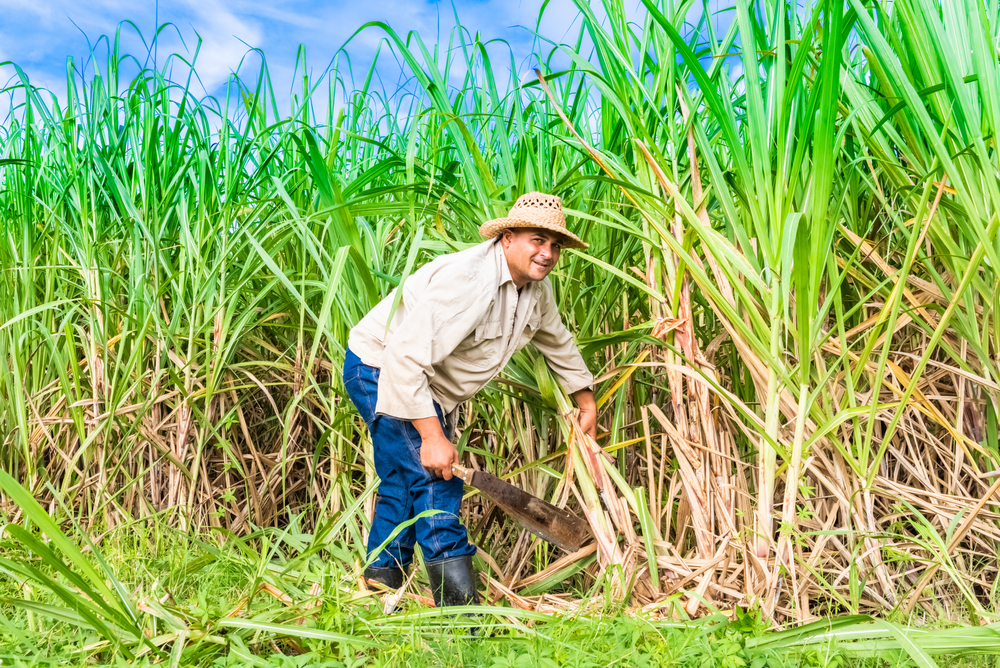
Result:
[[588, 412], [437, 454], [588, 421]]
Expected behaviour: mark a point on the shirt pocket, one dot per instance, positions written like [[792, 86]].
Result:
[[482, 348], [530, 328]]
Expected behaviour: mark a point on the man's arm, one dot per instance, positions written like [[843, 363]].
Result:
[[554, 341], [438, 318]]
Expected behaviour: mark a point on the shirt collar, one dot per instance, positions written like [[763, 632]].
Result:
[[502, 264]]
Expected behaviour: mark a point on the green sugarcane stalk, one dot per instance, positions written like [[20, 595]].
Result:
[[767, 457]]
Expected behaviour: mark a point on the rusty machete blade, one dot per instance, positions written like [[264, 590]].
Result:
[[555, 525]]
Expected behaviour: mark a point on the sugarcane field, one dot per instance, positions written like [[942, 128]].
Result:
[[655, 334]]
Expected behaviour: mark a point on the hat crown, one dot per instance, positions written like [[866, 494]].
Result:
[[537, 200], [539, 208]]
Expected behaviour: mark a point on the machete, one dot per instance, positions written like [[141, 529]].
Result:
[[555, 525]]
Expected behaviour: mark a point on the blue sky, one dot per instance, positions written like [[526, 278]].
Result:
[[38, 35]]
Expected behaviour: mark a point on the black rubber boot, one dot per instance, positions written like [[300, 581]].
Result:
[[453, 581], [391, 577]]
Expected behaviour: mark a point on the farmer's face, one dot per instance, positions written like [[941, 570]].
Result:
[[531, 253]]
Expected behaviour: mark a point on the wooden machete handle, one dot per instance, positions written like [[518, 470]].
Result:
[[463, 473]]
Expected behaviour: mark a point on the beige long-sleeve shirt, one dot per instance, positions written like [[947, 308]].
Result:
[[459, 321]]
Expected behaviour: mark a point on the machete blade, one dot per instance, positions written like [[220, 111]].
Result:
[[554, 525]]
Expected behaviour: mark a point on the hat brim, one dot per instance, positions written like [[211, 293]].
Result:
[[492, 228]]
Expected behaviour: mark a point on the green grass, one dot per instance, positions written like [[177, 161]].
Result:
[[202, 581]]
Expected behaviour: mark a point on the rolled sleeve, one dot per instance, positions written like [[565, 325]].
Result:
[[555, 342], [438, 317]]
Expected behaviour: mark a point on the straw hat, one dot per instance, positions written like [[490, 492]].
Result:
[[534, 210]]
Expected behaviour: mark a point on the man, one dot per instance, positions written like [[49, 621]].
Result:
[[460, 319]]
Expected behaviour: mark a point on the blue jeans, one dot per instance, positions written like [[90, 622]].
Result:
[[406, 488]]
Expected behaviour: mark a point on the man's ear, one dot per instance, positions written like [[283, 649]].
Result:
[[506, 236]]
